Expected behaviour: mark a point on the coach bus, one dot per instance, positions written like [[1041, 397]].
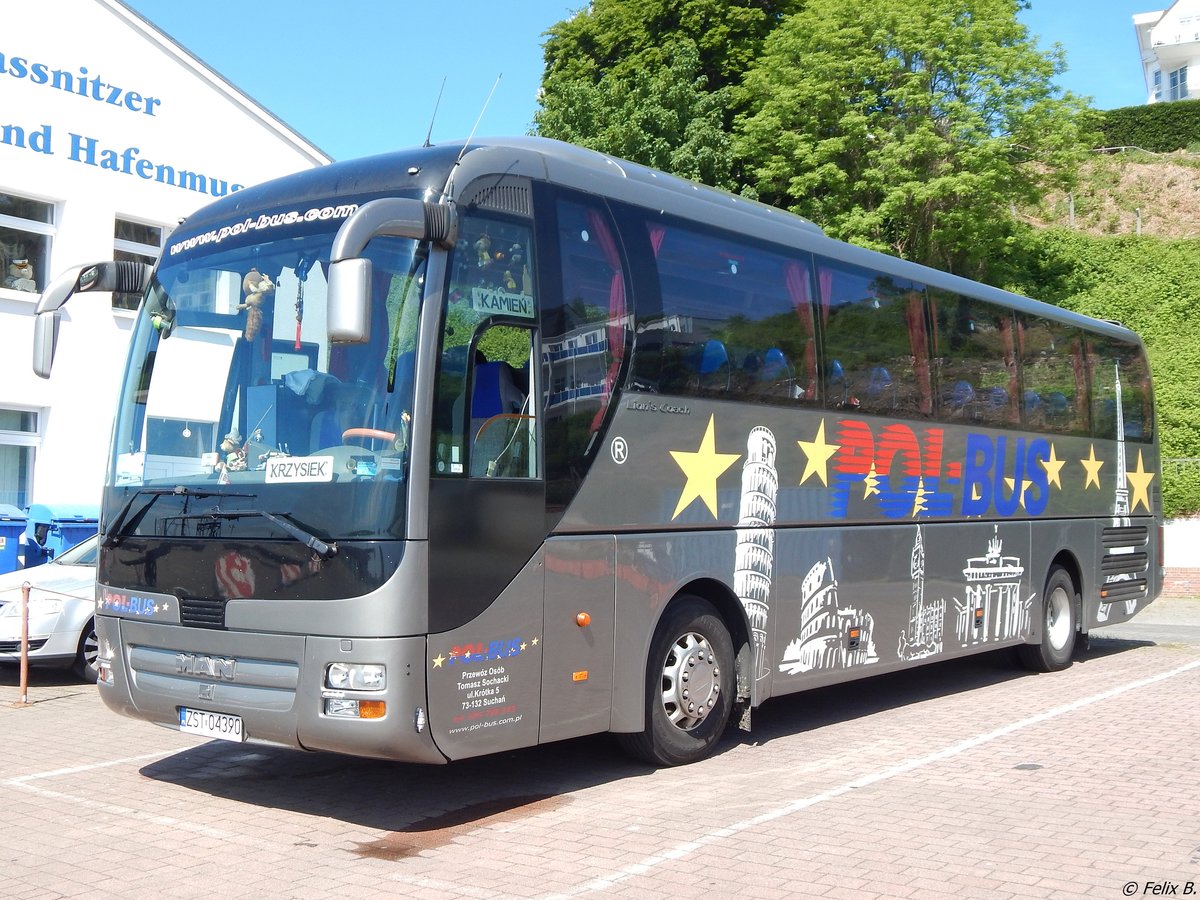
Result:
[[473, 447]]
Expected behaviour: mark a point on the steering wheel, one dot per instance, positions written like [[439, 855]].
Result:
[[497, 418], [369, 434]]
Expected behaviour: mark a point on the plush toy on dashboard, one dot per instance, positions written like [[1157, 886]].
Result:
[[235, 452], [20, 276], [256, 286]]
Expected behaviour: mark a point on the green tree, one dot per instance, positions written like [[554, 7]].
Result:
[[649, 80], [664, 118], [624, 37], [909, 127]]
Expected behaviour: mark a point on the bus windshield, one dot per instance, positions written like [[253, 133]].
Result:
[[234, 392]]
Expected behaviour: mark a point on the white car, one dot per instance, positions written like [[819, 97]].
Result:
[[62, 608]]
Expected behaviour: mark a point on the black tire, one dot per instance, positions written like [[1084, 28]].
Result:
[[89, 650], [689, 686], [1060, 601]]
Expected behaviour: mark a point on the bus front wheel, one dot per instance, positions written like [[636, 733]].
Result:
[[1060, 600], [689, 686]]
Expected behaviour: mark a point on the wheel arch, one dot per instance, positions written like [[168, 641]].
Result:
[[1068, 562], [733, 613], [629, 706]]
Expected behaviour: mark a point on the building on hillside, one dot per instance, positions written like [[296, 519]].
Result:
[[110, 133], [1169, 43]]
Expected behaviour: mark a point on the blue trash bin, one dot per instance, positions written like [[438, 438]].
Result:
[[12, 526], [52, 528]]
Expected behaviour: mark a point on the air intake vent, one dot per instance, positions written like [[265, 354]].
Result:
[[506, 197], [1125, 536], [202, 612]]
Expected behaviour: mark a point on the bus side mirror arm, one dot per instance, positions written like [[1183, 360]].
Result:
[[108, 276], [348, 314]]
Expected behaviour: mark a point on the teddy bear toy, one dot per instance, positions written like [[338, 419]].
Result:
[[256, 287], [20, 276], [235, 453]]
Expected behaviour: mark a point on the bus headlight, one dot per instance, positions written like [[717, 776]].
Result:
[[356, 677]]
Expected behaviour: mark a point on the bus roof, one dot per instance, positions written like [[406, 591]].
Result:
[[447, 170]]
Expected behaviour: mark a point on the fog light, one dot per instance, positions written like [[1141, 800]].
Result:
[[343, 709]]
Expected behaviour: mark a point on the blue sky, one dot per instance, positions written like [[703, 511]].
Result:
[[362, 76]]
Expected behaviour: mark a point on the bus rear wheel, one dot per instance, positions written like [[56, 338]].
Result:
[[689, 686], [1060, 600]]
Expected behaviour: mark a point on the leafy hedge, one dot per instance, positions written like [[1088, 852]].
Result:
[[1158, 127], [1151, 285]]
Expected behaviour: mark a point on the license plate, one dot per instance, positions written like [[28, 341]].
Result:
[[211, 724]]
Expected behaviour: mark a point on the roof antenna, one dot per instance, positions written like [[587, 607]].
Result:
[[480, 119], [433, 118]]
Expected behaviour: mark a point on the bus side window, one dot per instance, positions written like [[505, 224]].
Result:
[[975, 350], [1053, 377], [736, 319], [490, 311], [502, 428], [875, 340]]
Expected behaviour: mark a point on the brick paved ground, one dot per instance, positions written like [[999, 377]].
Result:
[[963, 779]]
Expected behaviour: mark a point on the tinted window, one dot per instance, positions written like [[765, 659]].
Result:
[[735, 320], [876, 344], [1053, 377], [483, 375], [975, 358], [1120, 380], [585, 325]]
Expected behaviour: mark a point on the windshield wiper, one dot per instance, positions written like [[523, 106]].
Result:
[[280, 521], [119, 527]]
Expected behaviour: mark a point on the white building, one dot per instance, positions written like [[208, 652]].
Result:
[[110, 133], [1169, 42]]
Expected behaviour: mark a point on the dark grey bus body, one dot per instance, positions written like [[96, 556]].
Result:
[[845, 512]]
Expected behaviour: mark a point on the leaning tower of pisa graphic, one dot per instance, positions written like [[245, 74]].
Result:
[[755, 555]]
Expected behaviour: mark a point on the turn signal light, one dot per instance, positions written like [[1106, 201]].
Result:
[[371, 709]]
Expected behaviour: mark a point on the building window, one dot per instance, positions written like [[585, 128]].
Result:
[[26, 228], [19, 439], [1158, 86], [1178, 83], [135, 242]]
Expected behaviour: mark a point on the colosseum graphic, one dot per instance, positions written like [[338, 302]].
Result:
[[832, 636], [755, 554]]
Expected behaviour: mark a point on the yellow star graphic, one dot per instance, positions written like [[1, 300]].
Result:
[[1140, 479], [871, 482], [702, 469], [1092, 466], [919, 498], [535, 641], [818, 453], [1012, 486], [1053, 466], [438, 660]]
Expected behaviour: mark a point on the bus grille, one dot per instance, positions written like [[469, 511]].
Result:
[[509, 198], [1124, 563], [202, 612]]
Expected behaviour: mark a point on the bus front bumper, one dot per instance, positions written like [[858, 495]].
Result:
[[275, 685]]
